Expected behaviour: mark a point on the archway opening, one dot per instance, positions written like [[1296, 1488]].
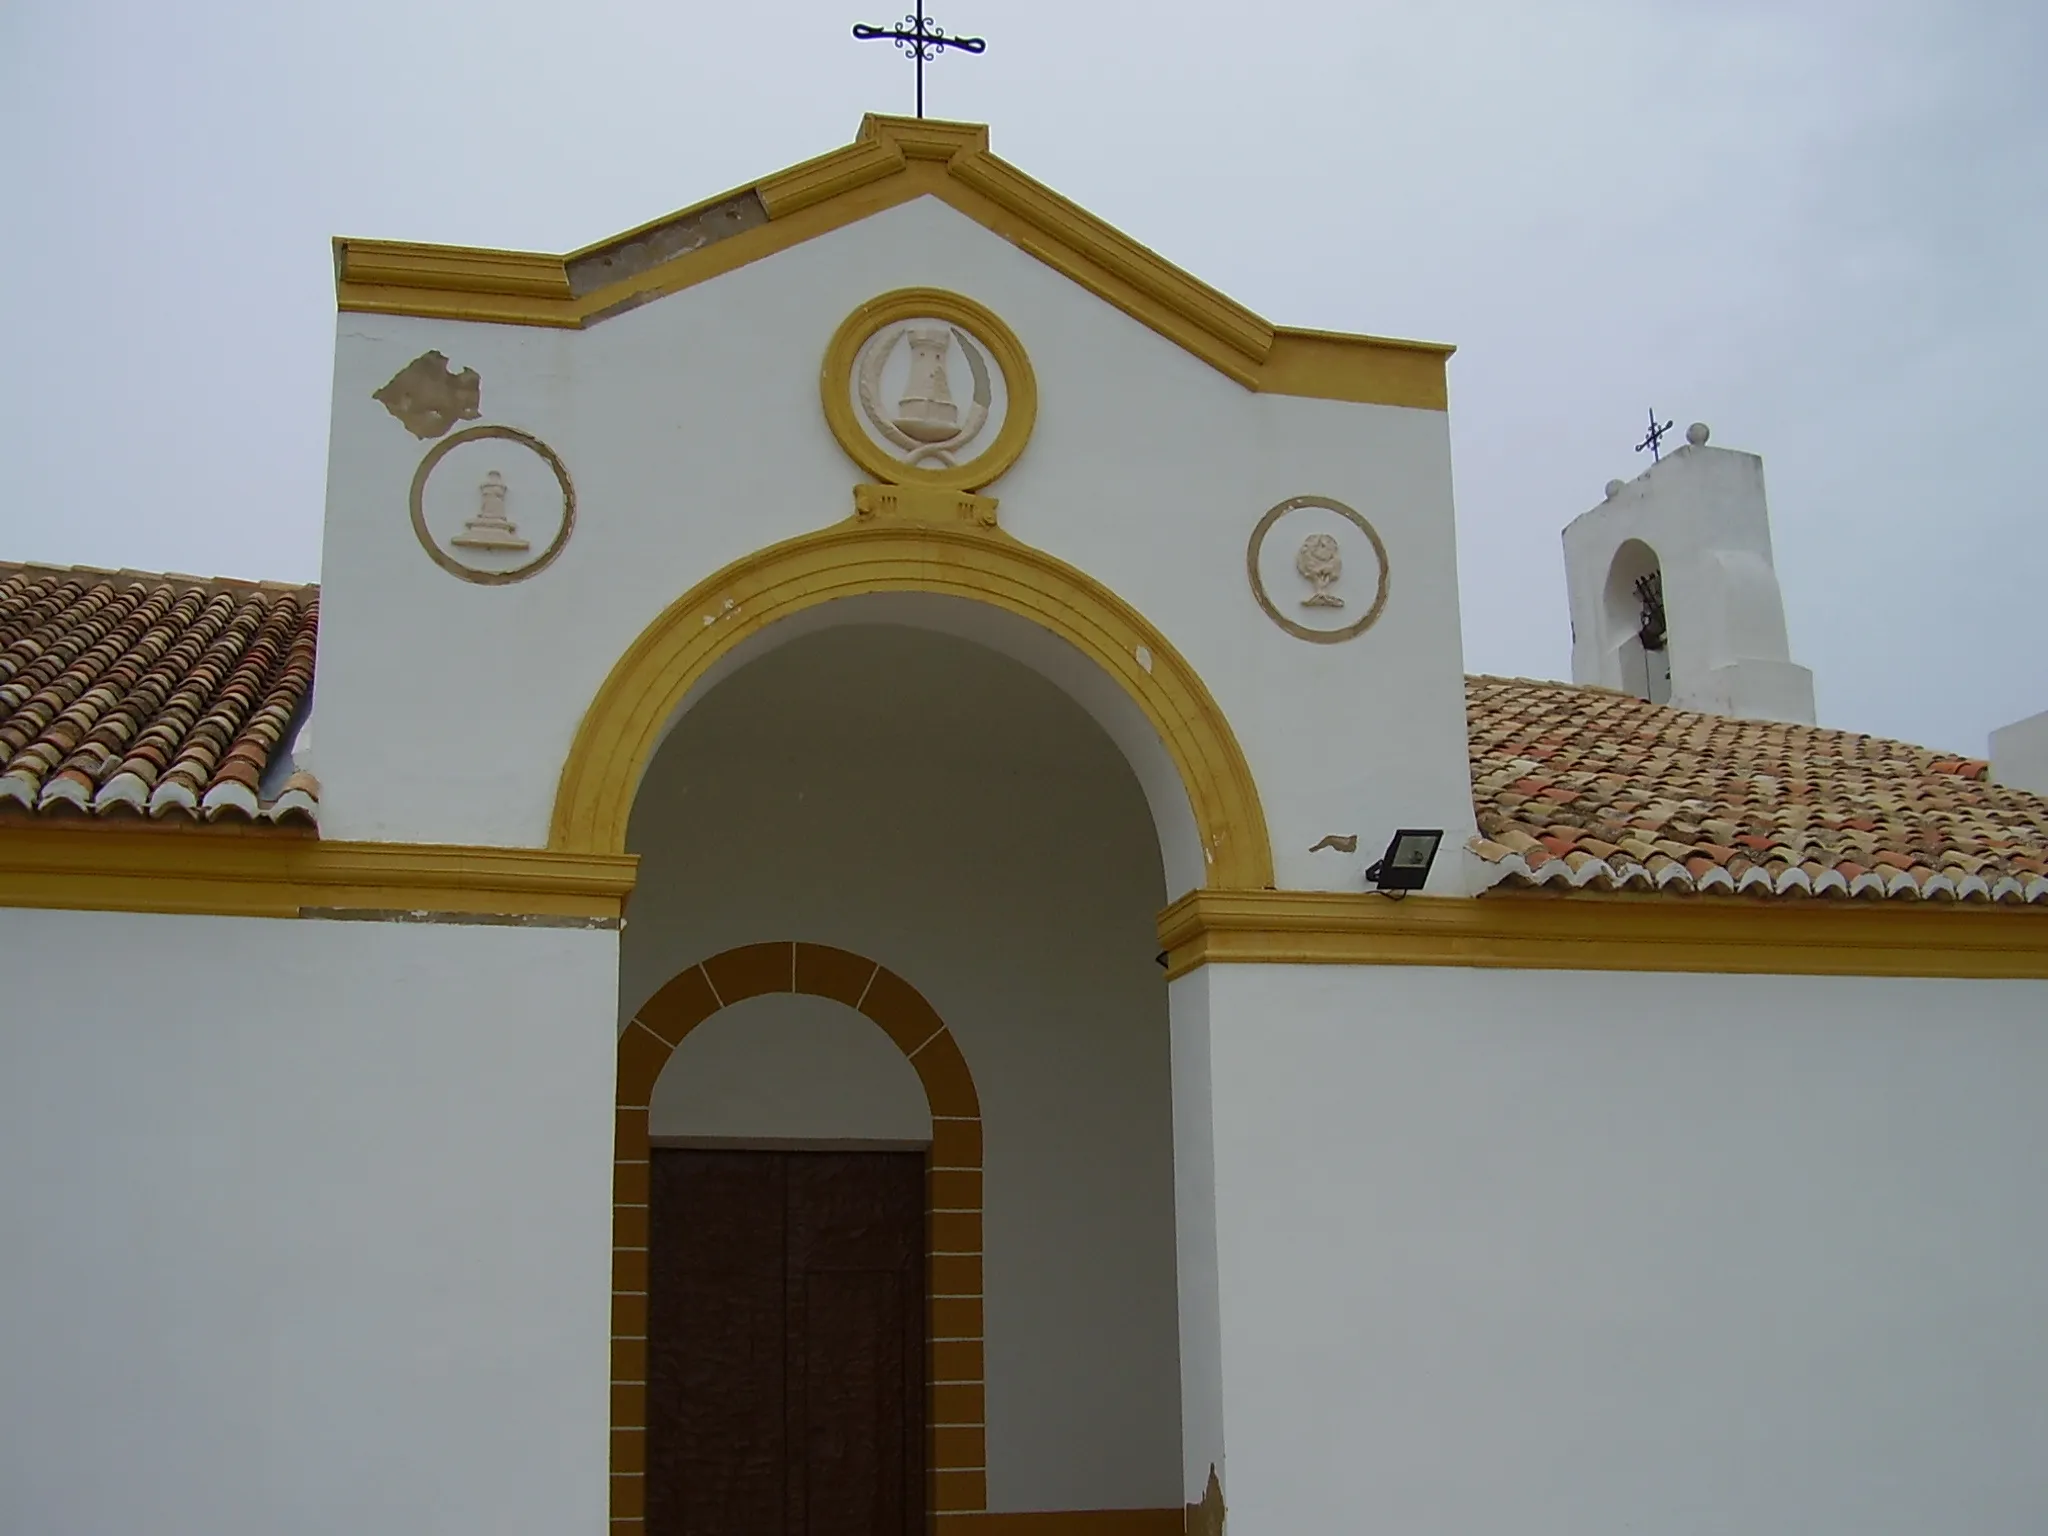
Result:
[[1638, 632], [905, 793], [1019, 600]]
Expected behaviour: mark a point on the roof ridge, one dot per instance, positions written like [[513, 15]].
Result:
[[171, 578], [1736, 722]]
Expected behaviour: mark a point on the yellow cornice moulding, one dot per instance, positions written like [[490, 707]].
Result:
[[455, 269], [1588, 932], [893, 161], [219, 873]]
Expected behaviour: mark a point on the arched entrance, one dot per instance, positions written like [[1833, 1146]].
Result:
[[954, 1450], [1199, 756], [953, 753]]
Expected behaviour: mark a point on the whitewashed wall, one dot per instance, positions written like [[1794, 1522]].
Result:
[[693, 430], [940, 809], [1566, 1254], [304, 1226], [790, 1067]]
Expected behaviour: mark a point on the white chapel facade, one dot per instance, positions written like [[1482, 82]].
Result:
[[810, 930]]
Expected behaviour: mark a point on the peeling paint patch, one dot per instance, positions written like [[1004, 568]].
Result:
[[664, 242], [461, 919]]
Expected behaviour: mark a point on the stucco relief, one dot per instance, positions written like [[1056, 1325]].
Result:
[[1320, 562], [924, 387], [1333, 545], [428, 397], [484, 499], [490, 528], [924, 423]]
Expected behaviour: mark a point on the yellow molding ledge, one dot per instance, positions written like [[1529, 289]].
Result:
[[226, 875], [1588, 932], [893, 161], [393, 263]]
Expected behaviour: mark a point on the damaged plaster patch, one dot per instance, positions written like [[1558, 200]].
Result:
[[469, 919], [650, 248], [428, 397]]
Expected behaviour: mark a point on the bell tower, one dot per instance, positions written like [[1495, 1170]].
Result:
[[1674, 596]]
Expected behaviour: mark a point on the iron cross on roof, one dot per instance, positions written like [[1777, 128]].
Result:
[[916, 36], [1654, 439]]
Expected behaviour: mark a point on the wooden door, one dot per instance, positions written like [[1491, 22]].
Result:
[[785, 1322]]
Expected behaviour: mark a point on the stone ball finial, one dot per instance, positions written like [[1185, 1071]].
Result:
[[1613, 489], [1696, 434]]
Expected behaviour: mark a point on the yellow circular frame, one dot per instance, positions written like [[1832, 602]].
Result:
[[843, 355]]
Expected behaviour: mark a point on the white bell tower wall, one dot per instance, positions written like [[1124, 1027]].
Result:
[[1697, 528], [2019, 754]]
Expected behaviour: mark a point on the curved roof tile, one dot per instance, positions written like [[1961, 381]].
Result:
[[1588, 789], [129, 694]]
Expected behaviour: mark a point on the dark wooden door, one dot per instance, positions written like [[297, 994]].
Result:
[[785, 1322]]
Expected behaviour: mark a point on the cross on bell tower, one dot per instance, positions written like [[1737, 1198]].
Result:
[[916, 36], [1654, 438]]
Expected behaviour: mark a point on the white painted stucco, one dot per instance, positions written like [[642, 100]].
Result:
[[939, 808], [694, 434], [788, 1067], [304, 1226], [2019, 754], [1561, 1253], [1700, 519], [1194, 1201]]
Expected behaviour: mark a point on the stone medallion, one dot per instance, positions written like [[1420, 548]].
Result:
[[925, 387], [492, 505], [1318, 569]]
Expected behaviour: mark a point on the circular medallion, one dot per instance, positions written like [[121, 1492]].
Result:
[[492, 504], [925, 387], [1323, 558]]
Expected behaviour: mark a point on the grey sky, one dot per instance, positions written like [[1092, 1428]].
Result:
[[1823, 229]]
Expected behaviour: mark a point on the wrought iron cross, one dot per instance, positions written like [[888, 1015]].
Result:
[[924, 42], [1654, 439]]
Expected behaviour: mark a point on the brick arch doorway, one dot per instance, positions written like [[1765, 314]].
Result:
[[955, 1450]]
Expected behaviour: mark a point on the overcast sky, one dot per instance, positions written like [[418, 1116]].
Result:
[[1822, 229]]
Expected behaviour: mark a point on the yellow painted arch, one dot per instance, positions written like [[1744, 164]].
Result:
[[626, 719]]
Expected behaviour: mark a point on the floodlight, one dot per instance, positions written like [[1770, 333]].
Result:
[[1405, 865]]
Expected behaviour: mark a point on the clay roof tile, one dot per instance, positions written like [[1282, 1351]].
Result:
[[1741, 802], [168, 679]]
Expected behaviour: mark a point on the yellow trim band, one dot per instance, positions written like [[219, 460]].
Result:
[[1589, 932], [626, 719], [893, 161], [226, 874]]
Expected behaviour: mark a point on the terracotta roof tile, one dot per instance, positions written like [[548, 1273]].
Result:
[[124, 693], [129, 694], [1639, 796]]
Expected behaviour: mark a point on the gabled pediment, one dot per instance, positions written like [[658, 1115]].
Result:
[[893, 161]]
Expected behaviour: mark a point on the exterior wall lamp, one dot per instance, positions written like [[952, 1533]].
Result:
[[1404, 867]]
